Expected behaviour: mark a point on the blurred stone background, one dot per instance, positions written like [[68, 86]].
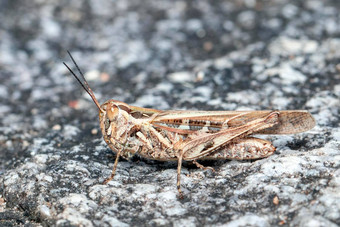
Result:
[[208, 55]]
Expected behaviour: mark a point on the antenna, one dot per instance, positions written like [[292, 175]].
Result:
[[85, 85]]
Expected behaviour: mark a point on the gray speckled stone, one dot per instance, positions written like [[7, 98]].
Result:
[[205, 55]]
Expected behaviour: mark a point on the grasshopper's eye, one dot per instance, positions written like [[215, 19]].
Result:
[[111, 112]]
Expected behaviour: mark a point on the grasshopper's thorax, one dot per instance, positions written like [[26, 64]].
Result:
[[117, 125], [128, 129]]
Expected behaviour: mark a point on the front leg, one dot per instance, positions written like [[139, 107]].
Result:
[[120, 151], [118, 154]]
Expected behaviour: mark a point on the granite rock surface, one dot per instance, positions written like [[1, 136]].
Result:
[[207, 55]]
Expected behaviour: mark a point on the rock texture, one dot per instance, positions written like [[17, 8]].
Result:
[[208, 55]]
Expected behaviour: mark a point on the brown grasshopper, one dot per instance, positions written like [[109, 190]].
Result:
[[190, 135]]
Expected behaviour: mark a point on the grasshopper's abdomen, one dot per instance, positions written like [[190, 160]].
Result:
[[243, 149]]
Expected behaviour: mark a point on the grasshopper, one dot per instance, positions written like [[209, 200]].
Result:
[[190, 135]]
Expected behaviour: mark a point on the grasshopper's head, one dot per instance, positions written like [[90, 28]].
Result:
[[113, 116], [112, 110]]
